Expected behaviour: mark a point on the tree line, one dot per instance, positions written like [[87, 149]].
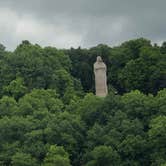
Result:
[[50, 116]]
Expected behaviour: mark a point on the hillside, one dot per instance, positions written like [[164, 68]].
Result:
[[50, 116]]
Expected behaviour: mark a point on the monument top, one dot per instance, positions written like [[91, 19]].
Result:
[[99, 63], [99, 59]]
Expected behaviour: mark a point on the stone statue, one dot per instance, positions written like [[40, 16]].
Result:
[[100, 77]]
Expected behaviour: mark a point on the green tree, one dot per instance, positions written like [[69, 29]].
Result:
[[13, 129], [87, 109], [56, 156], [7, 151], [2, 50], [160, 100], [139, 105], [35, 142], [8, 106], [40, 100], [23, 159], [16, 88], [103, 156], [163, 48], [157, 136], [146, 73], [67, 130], [134, 150]]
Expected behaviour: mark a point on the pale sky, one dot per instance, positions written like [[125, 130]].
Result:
[[85, 23]]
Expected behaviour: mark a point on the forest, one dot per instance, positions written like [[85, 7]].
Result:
[[50, 116]]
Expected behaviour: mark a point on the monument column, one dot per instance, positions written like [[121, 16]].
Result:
[[100, 77]]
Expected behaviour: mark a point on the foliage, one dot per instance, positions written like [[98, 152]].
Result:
[[20, 159], [49, 115], [56, 156], [103, 156]]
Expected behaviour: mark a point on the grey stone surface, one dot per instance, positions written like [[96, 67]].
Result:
[[100, 70]]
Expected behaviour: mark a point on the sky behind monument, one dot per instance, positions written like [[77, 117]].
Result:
[[85, 23]]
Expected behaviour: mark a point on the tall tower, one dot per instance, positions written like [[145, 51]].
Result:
[[100, 77]]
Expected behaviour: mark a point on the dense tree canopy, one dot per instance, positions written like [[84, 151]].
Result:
[[50, 116]]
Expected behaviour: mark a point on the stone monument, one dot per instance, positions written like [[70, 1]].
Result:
[[100, 77]]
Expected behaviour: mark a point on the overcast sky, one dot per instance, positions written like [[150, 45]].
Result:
[[85, 23]]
